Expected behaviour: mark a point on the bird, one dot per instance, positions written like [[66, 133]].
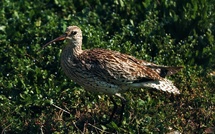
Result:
[[110, 72]]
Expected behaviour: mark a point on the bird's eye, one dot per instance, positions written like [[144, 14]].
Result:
[[74, 32]]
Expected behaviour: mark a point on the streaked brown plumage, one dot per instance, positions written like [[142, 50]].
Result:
[[110, 72]]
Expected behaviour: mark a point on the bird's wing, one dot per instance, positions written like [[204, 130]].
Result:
[[116, 67]]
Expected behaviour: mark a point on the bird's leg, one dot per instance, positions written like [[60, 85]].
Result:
[[123, 103], [113, 112]]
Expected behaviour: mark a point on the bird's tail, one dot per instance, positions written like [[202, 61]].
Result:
[[165, 70], [164, 85]]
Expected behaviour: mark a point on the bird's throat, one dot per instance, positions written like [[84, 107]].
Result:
[[74, 49]]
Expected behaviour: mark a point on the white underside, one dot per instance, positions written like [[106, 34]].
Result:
[[164, 85]]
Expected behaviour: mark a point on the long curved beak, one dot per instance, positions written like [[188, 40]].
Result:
[[62, 37]]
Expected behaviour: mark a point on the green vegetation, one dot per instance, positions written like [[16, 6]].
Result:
[[167, 32]]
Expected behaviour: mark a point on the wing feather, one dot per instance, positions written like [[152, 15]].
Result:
[[116, 67]]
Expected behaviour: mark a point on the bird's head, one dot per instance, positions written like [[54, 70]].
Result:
[[73, 35]]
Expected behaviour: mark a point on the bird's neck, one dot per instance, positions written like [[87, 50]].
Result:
[[77, 50], [73, 49]]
